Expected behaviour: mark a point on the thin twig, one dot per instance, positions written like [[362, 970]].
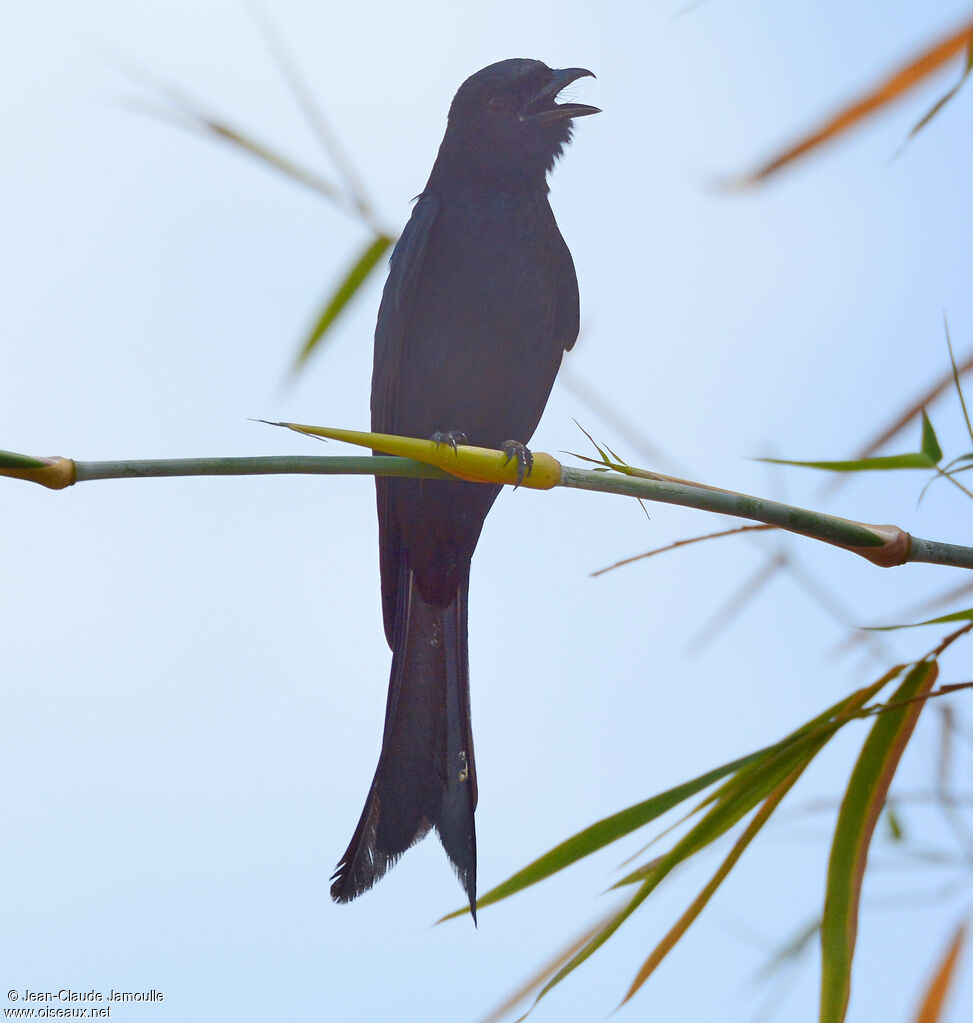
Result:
[[314, 115], [679, 543]]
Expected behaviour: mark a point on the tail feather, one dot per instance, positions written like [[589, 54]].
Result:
[[426, 776]]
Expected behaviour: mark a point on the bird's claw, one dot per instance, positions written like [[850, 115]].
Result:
[[525, 459], [450, 437]]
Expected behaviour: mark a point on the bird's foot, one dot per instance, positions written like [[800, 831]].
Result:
[[525, 460], [450, 437]]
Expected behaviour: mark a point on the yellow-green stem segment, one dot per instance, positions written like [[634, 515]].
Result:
[[481, 465]]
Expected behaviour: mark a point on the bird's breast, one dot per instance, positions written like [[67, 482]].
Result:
[[479, 352]]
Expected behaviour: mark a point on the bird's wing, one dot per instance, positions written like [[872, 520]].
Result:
[[405, 268], [567, 316]]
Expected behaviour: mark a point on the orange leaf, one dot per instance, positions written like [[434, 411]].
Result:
[[895, 86], [931, 1008]]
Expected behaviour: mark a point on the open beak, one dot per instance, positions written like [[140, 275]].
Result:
[[543, 106]]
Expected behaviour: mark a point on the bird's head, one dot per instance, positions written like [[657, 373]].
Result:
[[506, 119]]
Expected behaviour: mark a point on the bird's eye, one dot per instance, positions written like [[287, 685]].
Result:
[[499, 104]]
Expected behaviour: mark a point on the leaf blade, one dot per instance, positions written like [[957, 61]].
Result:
[[602, 833], [892, 88], [934, 997], [930, 442], [860, 809], [354, 278], [878, 463], [699, 903], [957, 616]]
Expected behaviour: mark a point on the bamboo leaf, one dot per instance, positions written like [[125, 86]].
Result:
[[605, 460], [766, 776], [356, 276], [602, 833], [934, 109], [187, 111], [956, 616], [608, 830], [895, 830], [860, 810], [949, 341], [880, 463], [596, 836], [930, 443], [699, 903], [761, 775], [791, 950], [931, 1007], [541, 973], [886, 92], [734, 800], [746, 792], [943, 100], [313, 113], [714, 824], [593, 944], [839, 713]]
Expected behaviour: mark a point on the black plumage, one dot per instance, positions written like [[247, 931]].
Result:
[[480, 304]]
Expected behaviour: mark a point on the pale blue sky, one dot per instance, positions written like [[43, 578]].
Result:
[[195, 670]]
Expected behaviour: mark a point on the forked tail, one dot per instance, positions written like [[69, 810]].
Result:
[[426, 776]]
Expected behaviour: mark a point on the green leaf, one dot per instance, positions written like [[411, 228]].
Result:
[[956, 616], [596, 836], [860, 810], [791, 950], [715, 823], [189, 112], [943, 100], [12, 460], [949, 340], [930, 444], [699, 903], [601, 451], [761, 777], [914, 460], [738, 797], [841, 712], [758, 775], [894, 824], [353, 280], [602, 833]]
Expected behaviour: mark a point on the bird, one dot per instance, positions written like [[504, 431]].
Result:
[[479, 306]]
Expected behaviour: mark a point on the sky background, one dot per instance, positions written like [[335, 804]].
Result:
[[194, 678]]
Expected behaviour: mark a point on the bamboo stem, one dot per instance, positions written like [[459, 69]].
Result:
[[883, 545]]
